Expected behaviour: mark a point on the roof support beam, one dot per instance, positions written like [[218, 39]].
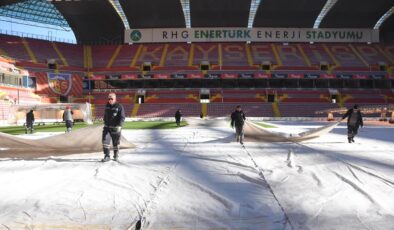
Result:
[[326, 8], [383, 18], [254, 5], [186, 12], [118, 8]]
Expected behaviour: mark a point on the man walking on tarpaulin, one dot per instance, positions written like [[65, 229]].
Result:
[[29, 122], [178, 116], [238, 120], [354, 121], [114, 117]]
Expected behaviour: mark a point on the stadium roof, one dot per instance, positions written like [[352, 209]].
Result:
[[100, 21], [35, 11], [93, 21]]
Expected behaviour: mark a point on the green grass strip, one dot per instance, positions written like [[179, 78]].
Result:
[[51, 127], [265, 125], [152, 125]]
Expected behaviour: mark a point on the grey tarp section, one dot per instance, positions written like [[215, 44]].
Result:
[[85, 140], [256, 133]]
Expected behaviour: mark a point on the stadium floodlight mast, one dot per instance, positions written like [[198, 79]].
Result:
[[326, 8], [383, 18]]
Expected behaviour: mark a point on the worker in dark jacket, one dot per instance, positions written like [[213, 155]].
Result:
[[354, 121], [238, 121], [178, 116], [29, 122], [114, 117]]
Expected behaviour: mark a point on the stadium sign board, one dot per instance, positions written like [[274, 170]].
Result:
[[158, 35]]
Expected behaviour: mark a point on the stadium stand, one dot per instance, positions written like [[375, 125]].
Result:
[[241, 56], [372, 55], [304, 103], [315, 54], [102, 55], [298, 109], [205, 52], [177, 96], [73, 54], [251, 109], [125, 56], [168, 109], [360, 96], [43, 51], [177, 55], [23, 95], [99, 99], [243, 95], [263, 52], [13, 46], [346, 56], [235, 54], [4, 110], [290, 56], [152, 53], [306, 96], [227, 60]]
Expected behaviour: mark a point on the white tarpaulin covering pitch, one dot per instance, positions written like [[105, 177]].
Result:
[[254, 132], [198, 178], [81, 140]]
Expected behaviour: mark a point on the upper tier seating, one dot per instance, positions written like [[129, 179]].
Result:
[[221, 56], [43, 50], [125, 56], [101, 55], [72, 53], [13, 47]]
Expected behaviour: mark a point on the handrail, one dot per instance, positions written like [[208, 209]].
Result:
[[37, 36]]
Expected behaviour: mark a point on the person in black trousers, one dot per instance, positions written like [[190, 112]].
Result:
[[114, 117], [354, 121], [238, 120], [178, 116], [29, 122]]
